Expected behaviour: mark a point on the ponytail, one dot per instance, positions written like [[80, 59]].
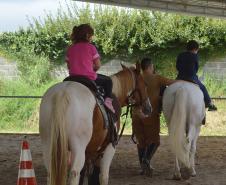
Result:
[[79, 33]]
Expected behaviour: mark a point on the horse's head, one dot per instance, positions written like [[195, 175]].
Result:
[[138, 96]]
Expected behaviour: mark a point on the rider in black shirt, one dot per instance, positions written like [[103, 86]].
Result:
[[187, 66]]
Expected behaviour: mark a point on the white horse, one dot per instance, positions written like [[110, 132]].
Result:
[[71, 121], [184, 110]]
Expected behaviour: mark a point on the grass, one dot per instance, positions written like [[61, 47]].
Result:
[[215, 122], [28, 123], [19, 115]]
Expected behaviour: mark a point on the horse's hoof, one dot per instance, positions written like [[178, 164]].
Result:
[[176, 177], [185, 173], [193, 172], [141, 172], [147, 169], [149, 172]]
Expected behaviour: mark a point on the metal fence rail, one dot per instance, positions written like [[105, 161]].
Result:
[[32, 97], [36, 97], [218, 98]]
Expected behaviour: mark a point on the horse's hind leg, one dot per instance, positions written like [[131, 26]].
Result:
[[193, 151], [45, 152], [105, 164], [177, 174], [78, 160], [181, 172], [192, 158], [46, 161]]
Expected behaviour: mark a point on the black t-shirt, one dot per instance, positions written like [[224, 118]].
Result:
[[187, 65]]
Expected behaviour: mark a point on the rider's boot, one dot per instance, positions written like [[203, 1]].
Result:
[[108, 104], [204, 121], [212, 107]]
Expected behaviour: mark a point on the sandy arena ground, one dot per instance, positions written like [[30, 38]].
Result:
[[210, 167]]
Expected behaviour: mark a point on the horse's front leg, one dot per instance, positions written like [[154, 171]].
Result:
[[177, 174], [105, 164]]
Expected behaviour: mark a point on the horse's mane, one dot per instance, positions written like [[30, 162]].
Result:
[[122, 82]]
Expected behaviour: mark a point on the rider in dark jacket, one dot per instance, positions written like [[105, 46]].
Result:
[[187, 66]]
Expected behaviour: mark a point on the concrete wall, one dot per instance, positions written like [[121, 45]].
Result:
[[8, 70], [112, 67], [108, 69], [215, 69]]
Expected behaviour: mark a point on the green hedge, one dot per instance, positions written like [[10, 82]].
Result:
[[119, 33]]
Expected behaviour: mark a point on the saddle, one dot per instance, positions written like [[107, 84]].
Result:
[[109, 118], [187, 80]]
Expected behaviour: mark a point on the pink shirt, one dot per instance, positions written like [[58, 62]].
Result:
[[80, 58]]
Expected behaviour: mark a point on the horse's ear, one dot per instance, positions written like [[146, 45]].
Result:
[[138, 67], [123, 66]]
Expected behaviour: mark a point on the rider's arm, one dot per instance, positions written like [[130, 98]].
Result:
[[165, 81], [96, 64], [196, 64], [67, 61], [178, 64], [96, 58]]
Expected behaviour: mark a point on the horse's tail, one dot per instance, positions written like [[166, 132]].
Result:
[[59, 140], [177, 128]]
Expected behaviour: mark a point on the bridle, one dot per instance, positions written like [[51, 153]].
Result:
[[134, 90], [129, 103]]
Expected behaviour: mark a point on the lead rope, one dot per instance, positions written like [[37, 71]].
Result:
[[128, 109], [134, 84], [133, 138]]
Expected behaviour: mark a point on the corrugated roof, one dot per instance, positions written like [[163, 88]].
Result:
[[215, 8]]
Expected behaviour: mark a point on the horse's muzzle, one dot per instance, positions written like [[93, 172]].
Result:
[[147, 108]]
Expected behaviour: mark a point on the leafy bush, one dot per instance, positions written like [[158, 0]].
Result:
[[119, 33]]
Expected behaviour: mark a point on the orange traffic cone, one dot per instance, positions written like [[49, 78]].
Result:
[[26, 175]]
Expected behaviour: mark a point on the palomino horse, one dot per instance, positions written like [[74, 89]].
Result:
[[71, 121], [184, 110]]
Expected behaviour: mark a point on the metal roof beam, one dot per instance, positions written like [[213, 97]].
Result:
[[216, 8]]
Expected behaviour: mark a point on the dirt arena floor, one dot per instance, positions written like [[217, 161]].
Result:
[[210, 163]]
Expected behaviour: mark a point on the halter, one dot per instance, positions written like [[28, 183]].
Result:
[[134, 89], [130, 105]]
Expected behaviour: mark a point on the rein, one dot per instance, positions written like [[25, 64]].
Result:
[[128, 109], [135, 89], [129, 105]]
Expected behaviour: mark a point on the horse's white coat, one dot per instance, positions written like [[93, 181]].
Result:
[[78, 120], [184, 110], [105, 164], [66, 122]]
